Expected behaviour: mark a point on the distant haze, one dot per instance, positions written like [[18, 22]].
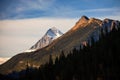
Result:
[[2, 60], [18, 35]]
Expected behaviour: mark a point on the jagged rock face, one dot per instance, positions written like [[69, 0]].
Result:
[[82, 20], [110, 24], [81, 33], [52, 34]]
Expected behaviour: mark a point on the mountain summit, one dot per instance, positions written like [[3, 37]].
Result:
[[83, 20], [52, 34]]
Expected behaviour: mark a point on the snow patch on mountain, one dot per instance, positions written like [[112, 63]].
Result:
[[30, 50], [52, 34]]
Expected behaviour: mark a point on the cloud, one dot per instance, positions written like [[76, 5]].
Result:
[[35, 4], [23, 8], [116, 17], [2, 60], [18, 35], [75, 13], [101, 10]]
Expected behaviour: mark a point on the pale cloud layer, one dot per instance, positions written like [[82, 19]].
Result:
[[18, 35], [2, 60]]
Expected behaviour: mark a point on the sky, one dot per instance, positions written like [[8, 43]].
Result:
[[21, 9], [24, 22]]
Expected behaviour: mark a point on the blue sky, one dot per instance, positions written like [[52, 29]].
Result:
[[24, 22], [20, 9]]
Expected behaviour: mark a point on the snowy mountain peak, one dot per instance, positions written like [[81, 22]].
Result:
[[52, 34], [53, 29]]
